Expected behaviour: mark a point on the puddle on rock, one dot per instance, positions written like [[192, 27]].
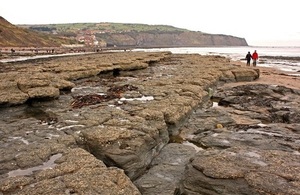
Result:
[[215, 101], [68, 127], [86, 90], [21, 139], [143, 98], [46, 165]]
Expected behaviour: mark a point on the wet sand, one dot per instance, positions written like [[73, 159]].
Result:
[[272, 76]]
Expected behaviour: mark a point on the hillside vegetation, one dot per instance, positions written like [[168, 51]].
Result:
[[103, 27], [14, 36]]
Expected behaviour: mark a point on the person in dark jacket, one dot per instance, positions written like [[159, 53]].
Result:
[[248, 58], [254, 58]]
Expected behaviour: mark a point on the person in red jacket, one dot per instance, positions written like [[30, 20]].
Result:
[[254, 57]]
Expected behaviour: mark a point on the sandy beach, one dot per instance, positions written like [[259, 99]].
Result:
[[271, 76]]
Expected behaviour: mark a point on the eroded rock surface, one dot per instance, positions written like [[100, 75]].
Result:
[[75, 172], [250, 144], [126, 131]]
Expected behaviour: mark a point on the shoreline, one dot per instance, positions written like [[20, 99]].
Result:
[[271, 76], [268, 75]]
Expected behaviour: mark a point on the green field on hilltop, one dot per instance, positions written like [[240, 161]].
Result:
[[103, 26]]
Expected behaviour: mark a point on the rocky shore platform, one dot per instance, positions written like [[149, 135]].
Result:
[[146, 123]]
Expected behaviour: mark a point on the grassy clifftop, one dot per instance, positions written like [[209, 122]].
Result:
[[138, 35], [103, 27]]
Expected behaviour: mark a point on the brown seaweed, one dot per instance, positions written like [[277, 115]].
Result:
[[92, 99]]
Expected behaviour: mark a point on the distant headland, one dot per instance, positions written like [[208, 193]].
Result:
[[109, 35]]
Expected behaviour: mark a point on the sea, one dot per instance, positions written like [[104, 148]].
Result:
[[283, 58]]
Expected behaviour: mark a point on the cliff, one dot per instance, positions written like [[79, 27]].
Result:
[[170, 39], [137, 35], [109, 34]]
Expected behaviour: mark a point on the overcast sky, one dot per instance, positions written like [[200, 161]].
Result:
[[260, 22]]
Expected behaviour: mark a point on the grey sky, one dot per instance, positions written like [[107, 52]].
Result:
[[260, 22]]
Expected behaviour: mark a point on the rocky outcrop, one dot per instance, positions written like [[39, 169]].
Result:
[[123, 118], [74, 171], [34, 81], [248, 143], [167, 170], [250, 146], [170, 39]]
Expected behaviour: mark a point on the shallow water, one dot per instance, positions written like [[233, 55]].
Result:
[[24, 58], [143, 98], [283, 58]]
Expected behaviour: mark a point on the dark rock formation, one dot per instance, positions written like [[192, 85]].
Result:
[[251, 146]]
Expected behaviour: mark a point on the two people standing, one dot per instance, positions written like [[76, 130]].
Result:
[[254, 57]]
